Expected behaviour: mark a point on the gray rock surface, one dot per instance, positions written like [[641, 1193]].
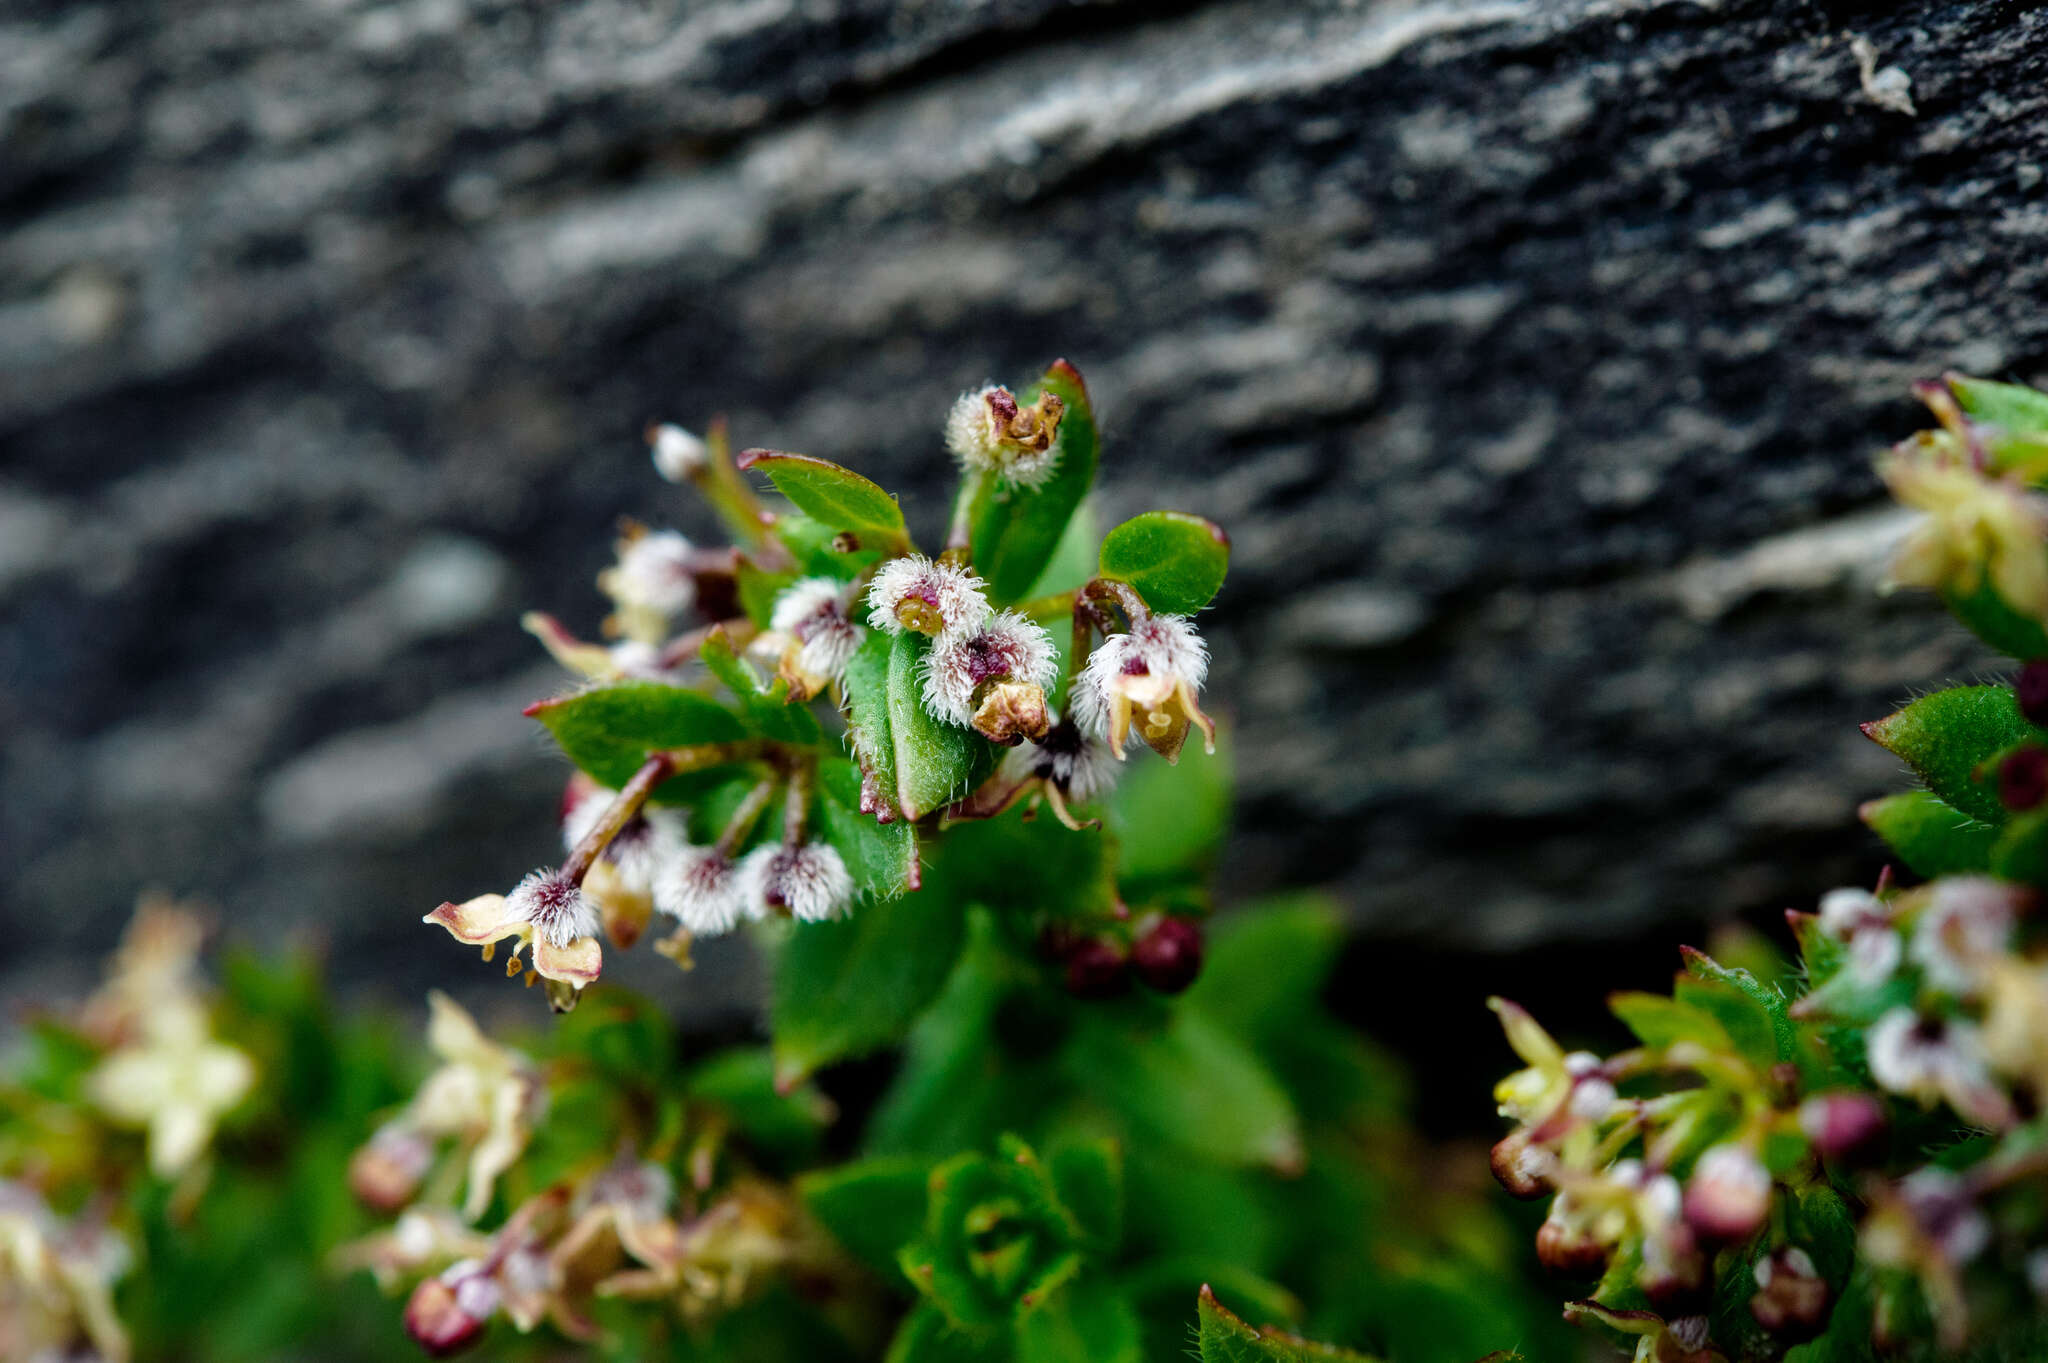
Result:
[[1532, 351]]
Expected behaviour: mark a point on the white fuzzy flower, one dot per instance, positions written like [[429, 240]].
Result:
[[1967, 921], [1078, 766], [917, 593], [1150, 674], [809, 882], [654, 572], [555, 905], [810, 636], [678, 455], [962, 666], [1846, 911], [987, 431], [1925, 1058], [703, 890]]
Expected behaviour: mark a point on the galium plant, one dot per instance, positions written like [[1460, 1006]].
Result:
[[1848, 1154]]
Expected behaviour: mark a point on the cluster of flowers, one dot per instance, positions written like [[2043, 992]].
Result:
[[159, 1072], [1865, 1160], [621, 1229], [991, 672]]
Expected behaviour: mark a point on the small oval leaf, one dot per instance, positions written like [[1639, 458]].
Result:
[[609, 730], [1176, 561]]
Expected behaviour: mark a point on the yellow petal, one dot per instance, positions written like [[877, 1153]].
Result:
[[576, 964], [177, 1136], [221, 1076]]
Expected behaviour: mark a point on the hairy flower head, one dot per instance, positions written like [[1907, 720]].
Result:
[[809, 882], [989, 432], [925, 596], [1151, 675]]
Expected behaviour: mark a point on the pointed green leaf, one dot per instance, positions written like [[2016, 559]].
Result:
[[1947, 737], [1753, 1012], [2019, 413], [1176, 561], [1016, 530], [1087, 1321], [853, 986], [608, 730], [873, 1207], [835, 497], [1931, 838], [917, 763], [1224, 1338]]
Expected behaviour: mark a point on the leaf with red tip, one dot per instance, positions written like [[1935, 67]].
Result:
[[1226, 1338], [835, 497], [1948, 739]]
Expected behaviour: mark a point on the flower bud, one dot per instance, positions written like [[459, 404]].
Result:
[[1792, 1301], [1011, 712], [1729, 1195], [1522, 1168], [678, 455], [809, 883], [1169, 956], [386, 1172], [1675, 1275], [446, 1315], [2023, 777], [1096, 969], [2030, 688], [1842, 1126], [1569, 1250]]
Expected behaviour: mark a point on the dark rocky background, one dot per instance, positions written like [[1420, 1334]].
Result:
[[1532, 351]]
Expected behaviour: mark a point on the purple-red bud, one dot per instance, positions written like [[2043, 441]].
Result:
[[1676, 1277], [1523, 1169], [2030, 688], [1169, 957], [1729, 1195], [2023, 777], [387, 1171], [1097, 969], [1842, 1126], [1792, 1301], [446, 1315], [1574, 1253]]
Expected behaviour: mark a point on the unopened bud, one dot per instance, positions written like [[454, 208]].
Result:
[[1568, 1250], [1792, 1300], [2030, 688], [1096, 969], [1522, 1168], [1729, 1195], [385, 1173], [678, 455], [446, 1315], [1675, 1275], [1169, 956], [2023, 777], [1842, 1126]]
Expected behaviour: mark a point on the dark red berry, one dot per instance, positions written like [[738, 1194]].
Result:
[[2023, 777], [2031, 687], [1096, 969], [1170, 955]]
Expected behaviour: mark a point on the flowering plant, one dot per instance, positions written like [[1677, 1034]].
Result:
[[1847, 1152]]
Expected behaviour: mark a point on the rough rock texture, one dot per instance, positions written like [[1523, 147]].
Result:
[[1533, 352]]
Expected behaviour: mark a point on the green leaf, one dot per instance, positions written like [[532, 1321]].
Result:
[[1930, 837], [1176, 561], [918, 763], [873, 1207], [1087, 1321], [1088, 1178], [1267, 962], [1170, 820], [1947, 737], [852, 986], [1189, 1084], [882, 858], [1022, 865], [835, 497], [1715, 988], [1988, 616], [2021, 852], [926, 1336], [608, 730], [766, 707], [1016, 530], [1073, 560], [1227, 1339], [1660, 1021], [2013, 406], [741, 1080]]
